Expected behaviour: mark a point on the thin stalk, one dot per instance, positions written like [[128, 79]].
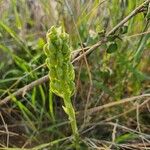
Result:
[[51, 108], [72, 118], [138, 54]]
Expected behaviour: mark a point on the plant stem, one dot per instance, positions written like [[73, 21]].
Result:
[[72, 118], [51, 105]]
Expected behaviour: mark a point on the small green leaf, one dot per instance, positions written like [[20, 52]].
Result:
[[65, 109], [112, 47], [125, 137], [124, 30]]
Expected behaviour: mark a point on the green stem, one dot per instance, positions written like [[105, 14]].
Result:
[[51, 108], [72, 118]]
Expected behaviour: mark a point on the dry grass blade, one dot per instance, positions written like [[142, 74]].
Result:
[[126, 100]]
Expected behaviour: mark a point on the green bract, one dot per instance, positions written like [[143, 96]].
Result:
[[58, 54]]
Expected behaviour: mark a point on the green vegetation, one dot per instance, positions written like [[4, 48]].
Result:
[[87, 59]]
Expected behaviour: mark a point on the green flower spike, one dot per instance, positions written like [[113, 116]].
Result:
[[61, 71]]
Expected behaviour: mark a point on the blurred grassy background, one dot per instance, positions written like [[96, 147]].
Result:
[[108, 77]]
